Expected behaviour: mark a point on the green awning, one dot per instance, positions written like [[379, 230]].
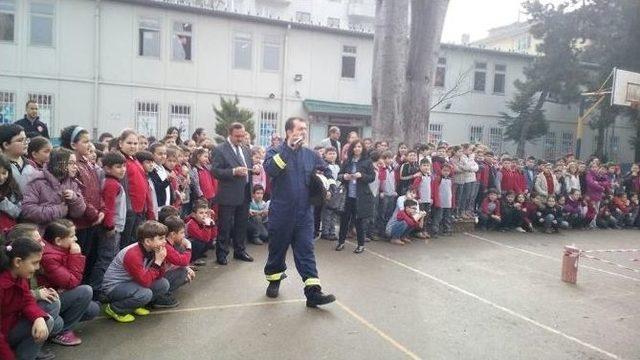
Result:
[[336, 108]]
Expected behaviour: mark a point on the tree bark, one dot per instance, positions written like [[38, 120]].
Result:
[[388, 84], [520, 150], [427, 20]]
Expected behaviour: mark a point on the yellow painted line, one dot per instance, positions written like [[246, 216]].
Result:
[[228, 306], [488, 302], [381, 333]]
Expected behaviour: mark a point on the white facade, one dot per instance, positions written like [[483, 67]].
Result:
[[92, 73]]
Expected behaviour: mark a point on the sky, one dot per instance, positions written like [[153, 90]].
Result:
[[475, 17]]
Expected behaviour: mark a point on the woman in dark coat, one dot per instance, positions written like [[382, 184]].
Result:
[[356, 173]]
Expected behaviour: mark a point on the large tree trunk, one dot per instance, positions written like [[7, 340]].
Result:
[[520, 151], [390, 44], [427, 20]]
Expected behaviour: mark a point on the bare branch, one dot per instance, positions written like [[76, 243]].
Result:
[[453, 92]]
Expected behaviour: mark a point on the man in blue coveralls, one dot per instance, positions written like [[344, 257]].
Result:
[[290, 167]]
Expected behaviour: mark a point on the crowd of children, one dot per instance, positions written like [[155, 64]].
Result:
[[123, 222]]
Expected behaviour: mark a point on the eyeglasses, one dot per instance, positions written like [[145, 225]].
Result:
[[25, 140]]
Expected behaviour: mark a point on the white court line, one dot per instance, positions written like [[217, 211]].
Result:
[[550, 258], [496, 306], [228, 306], [382, 334]]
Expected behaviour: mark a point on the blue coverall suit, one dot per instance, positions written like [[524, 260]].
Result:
[[290, 213]]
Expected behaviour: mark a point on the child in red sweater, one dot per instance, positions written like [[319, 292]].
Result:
[[62, 270], [177, 269], [24, 326], [201, 230], [207, 185]]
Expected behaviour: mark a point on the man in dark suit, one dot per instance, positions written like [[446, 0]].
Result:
[[233, 167]]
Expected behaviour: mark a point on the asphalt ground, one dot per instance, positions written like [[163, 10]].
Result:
[[485, 295]]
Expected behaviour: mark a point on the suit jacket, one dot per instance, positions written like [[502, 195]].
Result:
[[327, 143], [232, 190]]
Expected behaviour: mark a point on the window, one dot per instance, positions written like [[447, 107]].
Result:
[[7, 20], [181, 41], [499, 79], [435, 133], [614, 148], [495, 140], [7, 107], [523, 42], [303, 17], [242, 44], [41, 25], [550, 146], [45, 108], [441, 70], [180, 117], [149, 38], [271, 53], [567, 143], [333, 22], [268, 125], [147, 118], [475, 134], [349, 62], [480, 77]]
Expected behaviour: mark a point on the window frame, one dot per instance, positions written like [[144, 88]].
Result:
[[331, 19], [349, 54], [138, 112], [435, 133], [502, 72], [476, 71], [175, 33], [441, 64], [50, 106], [548, 148], [271, 41], [566, 146], [237, 35], [4, 94], [14, 13], [471, 134], [42, 15], [496, 133], [271, 118], [140, 51], [171, 115], [300, 15]]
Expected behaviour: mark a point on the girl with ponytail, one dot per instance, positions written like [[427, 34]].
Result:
[[24, 326]]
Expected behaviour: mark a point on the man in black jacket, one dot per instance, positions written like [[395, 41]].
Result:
[[233, 167], [31, 122]]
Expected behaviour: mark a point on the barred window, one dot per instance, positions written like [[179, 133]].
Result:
[[268, 125], [180, 117], [147, 118], [7, 107], [435, 133], [475, 134], [496, 140], [567, 143], [550, 151], [45, 108]]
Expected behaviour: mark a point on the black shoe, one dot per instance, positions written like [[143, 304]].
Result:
[[222, 261], [44, 354], [315, 296], [243, 256], [359, 249], [165, 302], [273, 289], [256, 241], [340, 247]]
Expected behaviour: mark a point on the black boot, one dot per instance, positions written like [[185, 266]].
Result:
[[315, 296], [274, 287]]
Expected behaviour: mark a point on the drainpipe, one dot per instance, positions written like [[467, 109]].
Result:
[[96, 70], [283, 82]]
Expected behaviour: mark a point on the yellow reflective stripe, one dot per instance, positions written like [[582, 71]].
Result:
[[281, 164], [312, 281], [275, 277]]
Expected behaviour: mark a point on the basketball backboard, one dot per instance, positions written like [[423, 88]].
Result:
[[626, 87]]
